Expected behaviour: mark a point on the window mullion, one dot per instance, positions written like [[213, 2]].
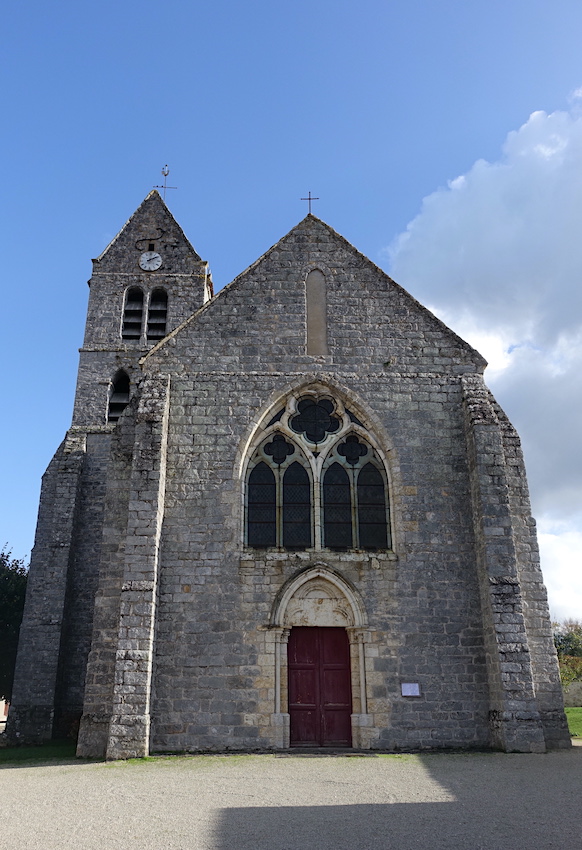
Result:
[[317, 517], [279, 505], [354, 503]]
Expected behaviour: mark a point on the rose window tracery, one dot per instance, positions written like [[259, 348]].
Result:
[[315, 419]]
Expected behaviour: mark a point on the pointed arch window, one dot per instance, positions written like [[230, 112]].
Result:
[[355, 510], [317, 481], [337, 508], [157, 315], [279, 498], [262, 507], [296, 508], [118, 396], [133, 314], [372, 515]]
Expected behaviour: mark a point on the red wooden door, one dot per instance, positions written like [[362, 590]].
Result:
[[320, 698]]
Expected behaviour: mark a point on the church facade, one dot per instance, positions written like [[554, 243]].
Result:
[[290, 514]]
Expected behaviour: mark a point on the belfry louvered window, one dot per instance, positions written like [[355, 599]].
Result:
[[317, 481], [133, 314], [157, 315], [118, 396]]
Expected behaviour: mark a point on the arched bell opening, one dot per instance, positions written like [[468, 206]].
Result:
[[119, 392], [133, 314], [157, 315]]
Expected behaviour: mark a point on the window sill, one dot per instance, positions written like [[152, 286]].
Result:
[[273, 554]]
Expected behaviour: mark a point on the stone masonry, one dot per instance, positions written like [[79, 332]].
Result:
[[150, 619]]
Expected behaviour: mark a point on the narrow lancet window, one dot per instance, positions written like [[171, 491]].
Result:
[[296, 508], [262, 507], [133, 314], [372, 524], [316, 309], [337, 508], [157, 315], [118, 396]]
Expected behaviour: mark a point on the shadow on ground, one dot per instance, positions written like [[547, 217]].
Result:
[[493, 802]]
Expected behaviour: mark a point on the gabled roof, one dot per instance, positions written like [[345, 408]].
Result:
[[307, 225]]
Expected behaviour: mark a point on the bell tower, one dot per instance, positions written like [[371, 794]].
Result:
[[147, 281]]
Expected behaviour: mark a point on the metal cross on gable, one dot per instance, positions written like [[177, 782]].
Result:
[[310, 199], [165, 172]]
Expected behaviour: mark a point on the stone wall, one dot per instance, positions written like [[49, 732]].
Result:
[[573, 694]]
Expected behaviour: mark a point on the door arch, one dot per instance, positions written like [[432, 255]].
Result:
[[320, 627]]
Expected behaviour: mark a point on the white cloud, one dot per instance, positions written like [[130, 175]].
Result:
[[497, 254], [561, 552]]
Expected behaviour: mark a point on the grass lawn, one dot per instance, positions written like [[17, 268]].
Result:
[[574, 716]]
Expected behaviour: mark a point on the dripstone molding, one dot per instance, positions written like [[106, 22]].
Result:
[[288, 514]]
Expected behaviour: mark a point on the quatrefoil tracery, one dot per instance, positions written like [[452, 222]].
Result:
[[279, 449], [315, 419], [352, 449]]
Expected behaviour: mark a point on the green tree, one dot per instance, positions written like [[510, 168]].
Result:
[[570, 669], [568, 638], [568, 641], [13, 576]]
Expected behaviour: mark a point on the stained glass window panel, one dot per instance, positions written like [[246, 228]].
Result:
[[296, 508], [337, 508], [262, 507], [372, 524], [315, 419]]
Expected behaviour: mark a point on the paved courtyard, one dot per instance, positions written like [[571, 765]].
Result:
[[484, 801]]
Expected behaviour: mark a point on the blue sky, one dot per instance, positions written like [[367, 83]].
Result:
[[443, 139]]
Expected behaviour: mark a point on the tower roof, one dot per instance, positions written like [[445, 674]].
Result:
[[152, 222]]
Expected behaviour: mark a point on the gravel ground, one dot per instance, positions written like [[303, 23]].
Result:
[[483, 801]]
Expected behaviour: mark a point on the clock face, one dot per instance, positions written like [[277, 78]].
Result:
[[150, 261]]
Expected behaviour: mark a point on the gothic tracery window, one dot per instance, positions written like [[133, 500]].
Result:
[[316, 481], [279, 498], [337, 508], [262, 507], [354, 500]]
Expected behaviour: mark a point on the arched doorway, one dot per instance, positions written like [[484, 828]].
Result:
[[320, 677]]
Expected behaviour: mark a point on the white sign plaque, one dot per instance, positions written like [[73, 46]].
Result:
[[410, 689]]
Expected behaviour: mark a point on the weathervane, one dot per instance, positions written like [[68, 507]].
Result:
[[310, 199], [165, 172]]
